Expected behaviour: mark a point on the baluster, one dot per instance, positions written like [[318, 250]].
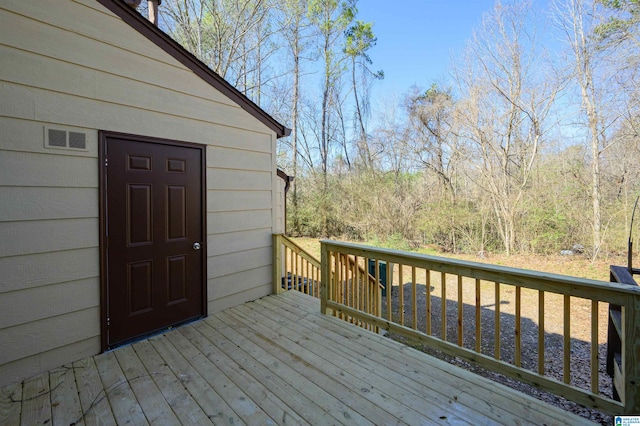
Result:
[[594, 346], [478, 318], [518, 342], [428, 302], [496, 334], [414, 299], [443, 303], [541, 335], [460, 311], [566, 346]]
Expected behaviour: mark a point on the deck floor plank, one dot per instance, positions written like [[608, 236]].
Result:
[[329, 383], [430, 378], [495, 399], [230, 400], [331, 403], [256, 391], [122, 400], [93, 398], [427, 380], [65, 403], [205, 394], [276, 360], [293, 400], [170, 386], [10, 404], [302, 395], [36, 401], [153, 404], [382, 389], [367, 364]]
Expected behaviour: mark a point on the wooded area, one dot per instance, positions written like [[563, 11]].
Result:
[[529, 145]]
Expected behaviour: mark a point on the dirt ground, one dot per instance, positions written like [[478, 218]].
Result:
[[580, 320]]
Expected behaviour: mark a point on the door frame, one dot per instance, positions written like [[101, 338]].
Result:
[[103, 135]]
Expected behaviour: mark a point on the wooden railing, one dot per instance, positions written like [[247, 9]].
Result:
[[294, 268], [474, 311], [353, 286]]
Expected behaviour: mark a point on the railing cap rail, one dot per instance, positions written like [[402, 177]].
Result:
[[299, 250], [517, 274]]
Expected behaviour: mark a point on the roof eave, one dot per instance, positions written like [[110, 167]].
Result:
[[173, 48]]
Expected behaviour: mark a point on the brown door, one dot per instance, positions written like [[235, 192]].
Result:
[[154, 236]]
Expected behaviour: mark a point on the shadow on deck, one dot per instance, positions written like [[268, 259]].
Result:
[[276, 360]]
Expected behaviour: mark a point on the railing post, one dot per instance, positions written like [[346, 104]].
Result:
[[277, 264], [325, 277], [631, 354]]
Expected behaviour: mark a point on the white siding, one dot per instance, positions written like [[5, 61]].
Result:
[[73, 65]]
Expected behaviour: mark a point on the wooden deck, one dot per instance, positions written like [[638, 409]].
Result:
[[273, 361]]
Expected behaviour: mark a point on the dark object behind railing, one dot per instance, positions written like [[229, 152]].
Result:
[[300, 283]]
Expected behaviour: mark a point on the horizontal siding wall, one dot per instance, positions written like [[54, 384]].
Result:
[[75, 66], [49, 268], [240, 223]]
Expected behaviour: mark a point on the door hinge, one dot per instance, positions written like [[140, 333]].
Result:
[[106, 162], [108, 321]]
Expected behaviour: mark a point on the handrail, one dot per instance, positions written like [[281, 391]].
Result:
[[294, 268], [299, 250], [562, 284], [437, 272]]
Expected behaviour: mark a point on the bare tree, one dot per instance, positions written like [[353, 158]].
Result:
[[390, 140], [233, 37], [331, 18], [578, 20], [434, 141], [296, 33], [507, 99], [185, 24], [359, 38]]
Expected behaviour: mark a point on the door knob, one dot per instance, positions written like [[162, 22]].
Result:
[[196, 246]]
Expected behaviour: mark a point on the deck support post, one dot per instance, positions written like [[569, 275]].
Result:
[[278, 273], [325, 278]]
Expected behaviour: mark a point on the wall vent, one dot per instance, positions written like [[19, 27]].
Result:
[[77, 140], [56, 138]]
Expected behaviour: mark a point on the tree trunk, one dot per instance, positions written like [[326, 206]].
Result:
[[294, 128], [363, 145], [323, 135], [596, 193]]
